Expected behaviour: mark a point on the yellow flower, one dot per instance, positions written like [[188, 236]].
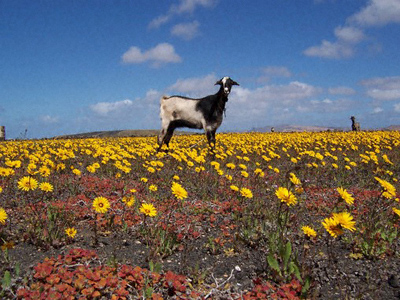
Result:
[[76, 172], [91, 169], [294, 179], [27, 183], [176, 177], [4, 172], [286, 196], [178, 191], [308, 231], [332, 226], [101, 205], [396, 211], [3, 216], [151, 169], [153, 188], [245, 192], [129, 201], [345, 220], [244, 174], [234, 188], [345, 196], [230, 166], [46, 187], [70, 232], [1, 189], [143, 179], [148, 209], [389, 190], [386, 159]]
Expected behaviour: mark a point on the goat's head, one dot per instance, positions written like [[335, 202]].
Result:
[[226, 83], [352, 118]]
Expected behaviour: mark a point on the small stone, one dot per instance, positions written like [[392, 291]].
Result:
[[394, 281], [237, 268]]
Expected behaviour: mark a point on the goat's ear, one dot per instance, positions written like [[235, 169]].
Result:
[[218, 82], [235, 83]]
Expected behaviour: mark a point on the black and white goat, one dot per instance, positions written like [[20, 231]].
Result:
[[203, 113]]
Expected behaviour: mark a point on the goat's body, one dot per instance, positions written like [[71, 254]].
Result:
[[203, 113]]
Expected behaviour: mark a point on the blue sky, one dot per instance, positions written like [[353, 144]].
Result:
[[76, 66]]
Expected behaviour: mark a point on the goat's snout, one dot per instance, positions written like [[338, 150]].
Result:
[[226, 90]]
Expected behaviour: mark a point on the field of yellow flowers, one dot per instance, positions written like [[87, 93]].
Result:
[[262, 216]]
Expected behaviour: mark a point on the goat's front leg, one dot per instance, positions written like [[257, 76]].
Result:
[[165, 137], [161, 138], [211, 138]]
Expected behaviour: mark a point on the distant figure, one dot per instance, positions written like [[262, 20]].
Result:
[[2, 133], [272, 129], [355, 126]]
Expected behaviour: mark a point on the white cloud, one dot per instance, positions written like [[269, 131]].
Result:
[[375, 13], [377, 110], [184, 7], [49, 119], [328, 49], [105, 108], [277, 71], [160, 20], [268, 104], [349, 34], [346, 39], [383, 88], [196, 86], [186, 31], [397, 107], [272, 96], [161, 54], [341, 90], [378, 13], [324, 106]]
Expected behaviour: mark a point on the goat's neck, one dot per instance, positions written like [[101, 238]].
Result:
[[221, 100]]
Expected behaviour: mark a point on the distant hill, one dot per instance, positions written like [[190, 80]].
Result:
[[296, 128], [300, 128], [393, 127], [153, 132], [117, 133]]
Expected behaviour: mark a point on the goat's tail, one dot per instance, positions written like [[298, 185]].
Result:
[[164, 97]]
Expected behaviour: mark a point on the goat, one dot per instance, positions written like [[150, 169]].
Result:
[[355, 126], [203, 113]]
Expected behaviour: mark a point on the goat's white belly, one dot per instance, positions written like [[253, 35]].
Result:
[[193, 117]]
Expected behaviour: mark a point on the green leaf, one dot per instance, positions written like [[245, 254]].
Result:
[[17, 269], [273, 263], [6, 281], [287, 254], [306, 286], [148, 292], [295, 270]]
